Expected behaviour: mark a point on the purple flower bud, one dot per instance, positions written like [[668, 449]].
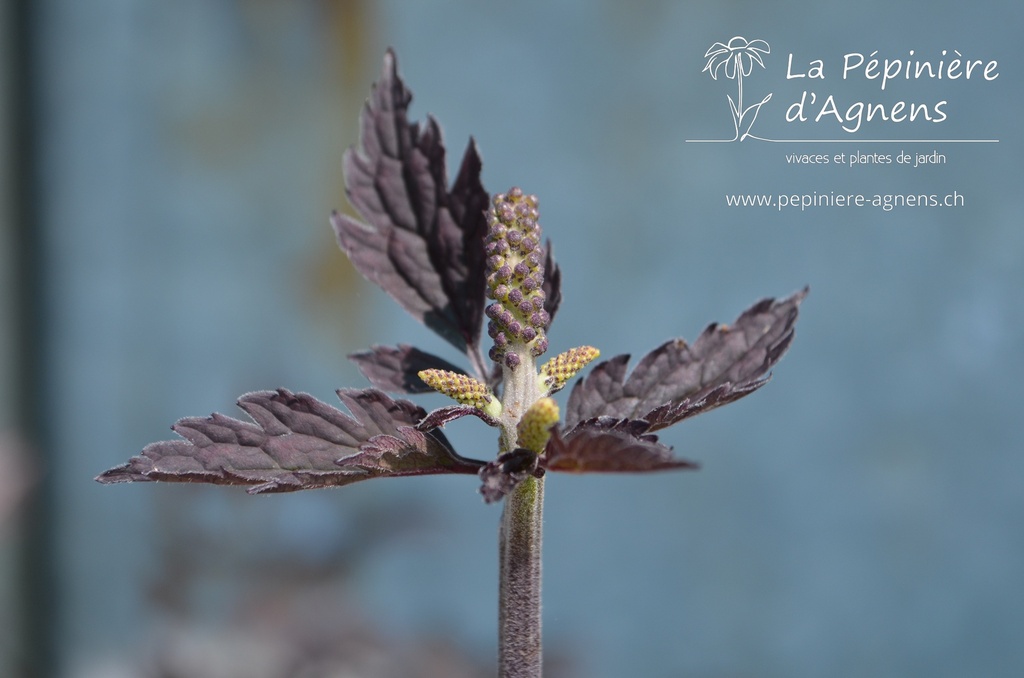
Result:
[[514, 258]]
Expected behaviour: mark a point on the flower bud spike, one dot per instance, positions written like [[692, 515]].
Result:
[[535, 427], [515, 276], [555, 373], [464, 389]]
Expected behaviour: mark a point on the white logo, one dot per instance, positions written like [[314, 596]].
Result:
[[736, 59]]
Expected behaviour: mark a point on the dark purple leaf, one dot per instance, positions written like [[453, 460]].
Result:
[[443, 415], [677, 380], [609, 448], [297, 442], [423, 244], [704, 400], [396, 369], [502, 475], [408, 452], [552, 283]]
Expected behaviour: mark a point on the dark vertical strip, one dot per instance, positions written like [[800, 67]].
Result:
[[37, 585]]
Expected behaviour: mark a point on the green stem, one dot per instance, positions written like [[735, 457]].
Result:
[[519, 551], [519, 608]]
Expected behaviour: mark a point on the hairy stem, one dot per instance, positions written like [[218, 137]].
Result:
[[519, 610], [519, 591]]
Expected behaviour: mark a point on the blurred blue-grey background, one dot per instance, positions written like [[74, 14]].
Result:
[[168, 169]]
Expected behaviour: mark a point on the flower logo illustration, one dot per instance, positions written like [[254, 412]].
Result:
[[736, 59]]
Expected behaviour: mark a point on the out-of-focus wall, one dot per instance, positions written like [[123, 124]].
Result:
[[858, 516]]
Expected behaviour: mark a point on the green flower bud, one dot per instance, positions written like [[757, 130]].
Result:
[[555, 373], [535, 427], [463, 389]]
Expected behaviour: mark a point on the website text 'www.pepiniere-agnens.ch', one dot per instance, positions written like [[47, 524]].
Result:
[[803, 201]]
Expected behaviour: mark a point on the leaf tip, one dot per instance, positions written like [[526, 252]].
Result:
[[120, 474]]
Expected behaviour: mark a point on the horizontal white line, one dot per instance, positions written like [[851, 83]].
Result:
[[851, 141]]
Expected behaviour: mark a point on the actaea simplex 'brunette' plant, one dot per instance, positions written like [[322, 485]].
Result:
[[442, 254]]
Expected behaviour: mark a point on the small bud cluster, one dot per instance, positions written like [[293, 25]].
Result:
[[462, 388], [535, 427], [564, 366], [515, 278]]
